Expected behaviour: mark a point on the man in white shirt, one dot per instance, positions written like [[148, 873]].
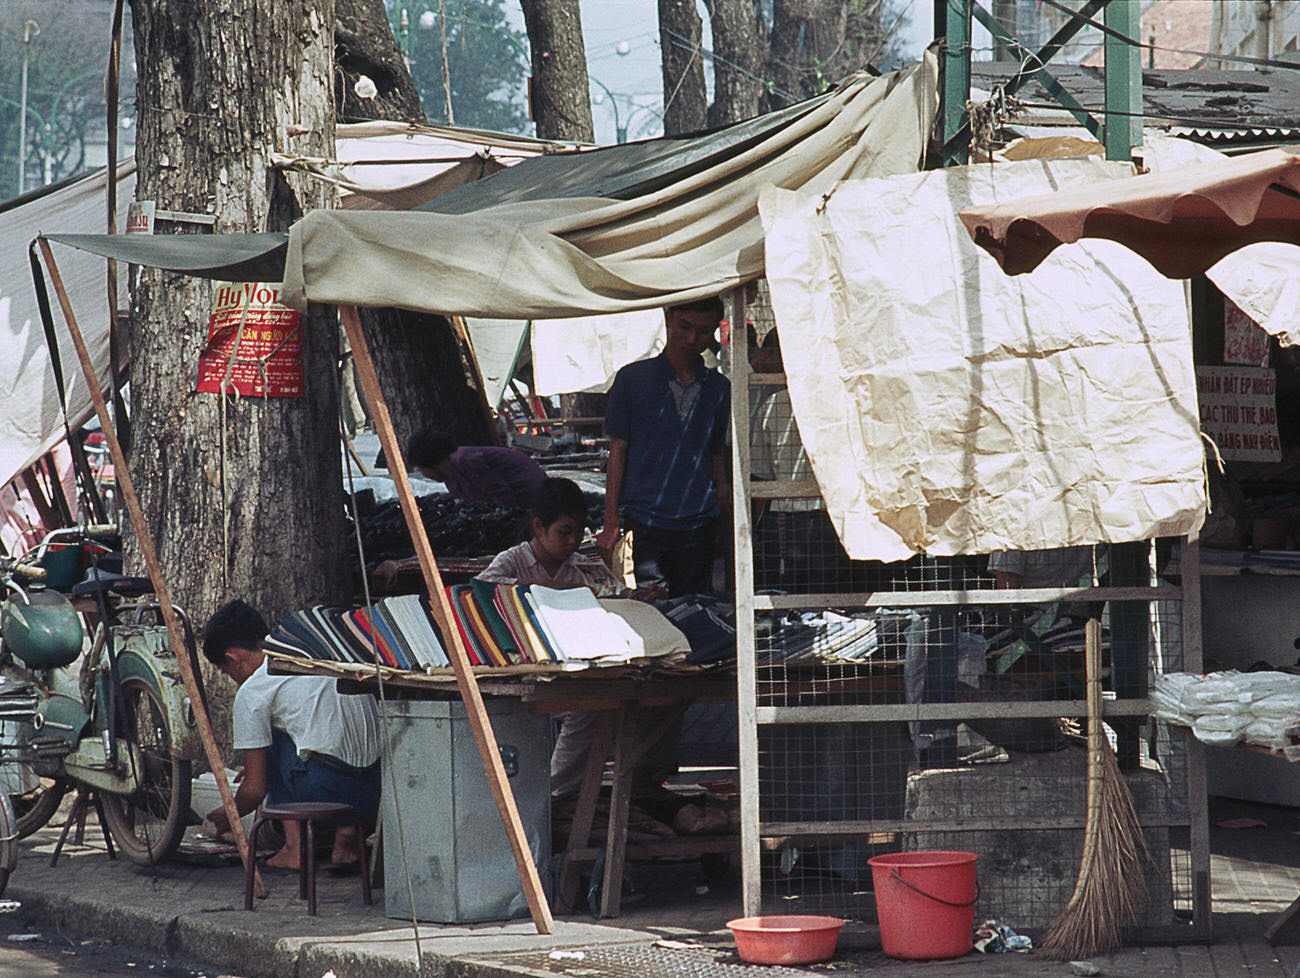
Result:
[[302, 740]]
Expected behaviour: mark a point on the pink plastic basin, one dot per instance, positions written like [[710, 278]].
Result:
[[791, 939]]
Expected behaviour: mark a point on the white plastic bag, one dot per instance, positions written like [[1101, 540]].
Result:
[[1219, 729]]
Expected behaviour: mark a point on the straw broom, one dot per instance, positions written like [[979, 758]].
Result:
[[1111, 892]]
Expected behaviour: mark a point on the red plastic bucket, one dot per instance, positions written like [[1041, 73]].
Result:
[[925, 902]]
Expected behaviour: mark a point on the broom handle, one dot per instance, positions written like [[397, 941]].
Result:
[[1096, 735], [1092, 663]]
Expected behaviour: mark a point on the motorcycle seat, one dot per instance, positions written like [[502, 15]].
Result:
[[108, 582]]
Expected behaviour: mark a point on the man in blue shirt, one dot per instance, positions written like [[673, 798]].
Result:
[[667, 425]]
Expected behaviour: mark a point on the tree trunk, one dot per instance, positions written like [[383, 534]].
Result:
[[425, 372], [681, 38], [559, 93], [418, 357], [249, 505], [816, 43], [740, 54], [364, 45]]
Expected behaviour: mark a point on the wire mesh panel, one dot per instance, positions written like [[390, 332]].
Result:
[[938, 703]]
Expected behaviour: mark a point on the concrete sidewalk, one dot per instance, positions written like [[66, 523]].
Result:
[[196, 914]]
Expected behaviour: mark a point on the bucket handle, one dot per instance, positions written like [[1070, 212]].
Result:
[[929, 896]]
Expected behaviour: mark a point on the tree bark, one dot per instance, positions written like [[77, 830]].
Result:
[[364, 45], [681, 37], [249, 505], [740, 54], [425, 373], [816, 43], [418, 357], [559, 92]]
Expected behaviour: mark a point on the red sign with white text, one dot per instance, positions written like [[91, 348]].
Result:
[[269, 359]]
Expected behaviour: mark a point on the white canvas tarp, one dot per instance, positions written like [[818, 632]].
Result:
[[1262, 279], [496, 343], [949, 408], [583, 354], [29, 401], [678, 222], [400, 165]]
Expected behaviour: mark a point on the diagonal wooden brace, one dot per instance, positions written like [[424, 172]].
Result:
[[150, 554]]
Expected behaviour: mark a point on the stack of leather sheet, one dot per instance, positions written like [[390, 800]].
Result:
[[500, 625], [397, 632]]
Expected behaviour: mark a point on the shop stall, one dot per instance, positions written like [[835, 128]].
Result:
[[619, 229]]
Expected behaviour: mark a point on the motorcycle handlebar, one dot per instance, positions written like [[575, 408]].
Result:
[[101, 530], [30, 571]]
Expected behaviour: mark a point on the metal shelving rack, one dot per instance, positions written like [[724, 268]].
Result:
[[1166, 616]]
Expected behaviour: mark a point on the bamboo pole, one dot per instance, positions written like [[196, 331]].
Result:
[[465, 680], [132, 501]]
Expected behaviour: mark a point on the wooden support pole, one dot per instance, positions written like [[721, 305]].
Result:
[[746, 635], [476, 376], [44, 510], [150, 555], [442, 613]]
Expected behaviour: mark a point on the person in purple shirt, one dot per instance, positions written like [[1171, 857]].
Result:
[[504, 477]]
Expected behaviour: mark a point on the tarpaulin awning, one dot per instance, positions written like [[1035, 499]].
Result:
[[948, 408], [29, 401], [1182, 221], [610, 230], [388, 161], [401, 165]]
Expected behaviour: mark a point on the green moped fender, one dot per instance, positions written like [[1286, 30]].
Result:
[[41, 628], [144, 652]]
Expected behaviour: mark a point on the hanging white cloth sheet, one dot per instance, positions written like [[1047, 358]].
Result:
[[949, 408]]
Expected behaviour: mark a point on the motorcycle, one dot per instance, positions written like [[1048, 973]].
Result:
[[111, 716]]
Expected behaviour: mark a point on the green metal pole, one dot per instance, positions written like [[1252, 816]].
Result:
[[952, 21], [1123, 80]]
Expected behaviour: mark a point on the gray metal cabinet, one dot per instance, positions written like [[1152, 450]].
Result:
[[441, 823]]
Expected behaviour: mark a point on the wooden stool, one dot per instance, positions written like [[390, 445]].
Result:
[[309, 812]]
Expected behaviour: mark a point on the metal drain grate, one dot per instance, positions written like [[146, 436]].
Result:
[[642, 960]]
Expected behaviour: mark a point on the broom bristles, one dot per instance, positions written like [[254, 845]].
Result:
[[1111, 891]]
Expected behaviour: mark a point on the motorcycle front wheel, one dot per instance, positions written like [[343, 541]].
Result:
[[8, 853], [147, 825]]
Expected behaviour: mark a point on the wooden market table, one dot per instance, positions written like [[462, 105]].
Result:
[[618, 694]]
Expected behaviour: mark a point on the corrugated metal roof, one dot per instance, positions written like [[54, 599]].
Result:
[[1220, 102]]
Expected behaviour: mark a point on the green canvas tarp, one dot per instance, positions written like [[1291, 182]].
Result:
[[608, 230]]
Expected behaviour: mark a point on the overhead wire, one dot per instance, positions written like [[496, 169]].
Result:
[[687, 44], [1134, 42]]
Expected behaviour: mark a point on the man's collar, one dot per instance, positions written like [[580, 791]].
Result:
[[664, 370]]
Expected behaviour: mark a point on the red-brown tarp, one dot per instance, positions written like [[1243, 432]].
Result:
[[1181, 221]]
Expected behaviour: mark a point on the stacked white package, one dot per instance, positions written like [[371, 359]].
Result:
[[1226, 708]]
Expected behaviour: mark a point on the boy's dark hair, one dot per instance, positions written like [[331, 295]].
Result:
[[559, 497], [711, 305], [428, 447], [236, 624]]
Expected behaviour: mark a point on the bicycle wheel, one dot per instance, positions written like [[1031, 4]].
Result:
[[148, 824], [33, 809]]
